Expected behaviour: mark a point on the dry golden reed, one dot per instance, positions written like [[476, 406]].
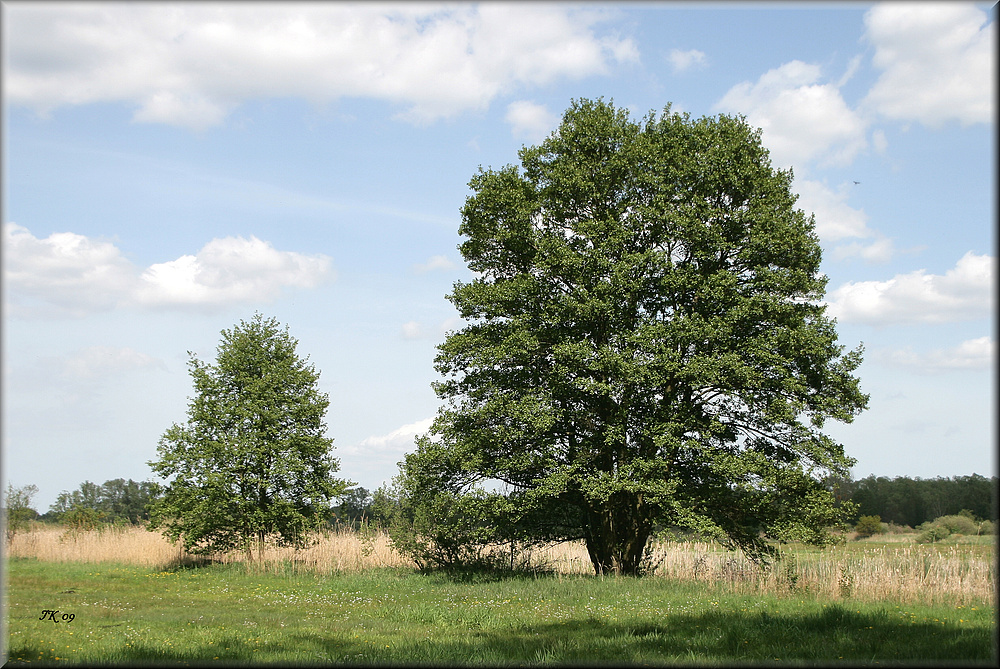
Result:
[[338, 551], [902, 572]]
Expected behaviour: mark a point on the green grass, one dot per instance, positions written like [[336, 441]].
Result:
[[129, 615]]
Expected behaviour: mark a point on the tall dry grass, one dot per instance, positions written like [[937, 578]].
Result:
[[338, 551], [872, 572], [900, 572]]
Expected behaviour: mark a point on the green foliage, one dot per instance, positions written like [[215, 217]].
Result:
[[868, 526], [444, 521], [914, 501], [957, 524], [646, 343], [118, 500], [932, 533], [252, 464], [17, 509], [353, 508], [83, 518], [384, 507]]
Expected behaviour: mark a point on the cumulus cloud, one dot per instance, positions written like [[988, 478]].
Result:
[[190, 64], [802, 120], [530, 121], [395, 443], [70, 274], [229, 270], [434, 263], [681, 61], [937, 62], [972, 354], [835, 219], [964, 292]]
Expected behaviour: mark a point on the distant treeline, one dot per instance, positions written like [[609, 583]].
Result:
[[913, 501], [900, 500], [114, 501]]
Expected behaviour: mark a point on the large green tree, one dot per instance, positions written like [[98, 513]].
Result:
[[647, 343], [253, 463]]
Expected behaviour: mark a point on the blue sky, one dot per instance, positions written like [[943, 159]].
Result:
[[171, 168]]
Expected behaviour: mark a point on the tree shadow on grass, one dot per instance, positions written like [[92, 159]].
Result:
[[834, 636], [227, 650]]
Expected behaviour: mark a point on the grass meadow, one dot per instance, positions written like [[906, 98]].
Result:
[[350, 599]]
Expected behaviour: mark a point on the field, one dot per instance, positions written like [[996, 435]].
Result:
[[350, 599]]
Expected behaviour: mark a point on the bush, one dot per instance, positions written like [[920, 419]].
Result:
[[83, 518], [958, 524], [893, 528], [945, 526], [868, 526], [932, 533], [444, 531]]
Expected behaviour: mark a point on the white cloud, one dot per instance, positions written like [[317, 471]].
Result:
[[434, 263], [70, 274], [681, 61], [937, 62], [190, 64], [881, 250], [68, 271], [412, 330], [852, 69], [972, 354], [835, 219], [396, 443], [801, 119], [230, 270], [531, 121], [962, 293]]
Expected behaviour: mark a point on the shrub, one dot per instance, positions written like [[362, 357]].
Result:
[[83, 518], [987, 527], [958, 524], [893, 528], [868, 526], [932, 533]]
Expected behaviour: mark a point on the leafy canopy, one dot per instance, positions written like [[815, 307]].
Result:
[[252, 463], [646, 343]]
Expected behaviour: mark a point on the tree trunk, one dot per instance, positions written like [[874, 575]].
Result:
[[260, 548], [616, 537]]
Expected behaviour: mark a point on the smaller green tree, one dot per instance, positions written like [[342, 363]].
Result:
[[17, 509], [384, 507], [83, 519], [868, 526], [353, 509], [253, 463]]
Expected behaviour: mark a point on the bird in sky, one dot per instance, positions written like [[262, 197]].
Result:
[[857, 183]]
